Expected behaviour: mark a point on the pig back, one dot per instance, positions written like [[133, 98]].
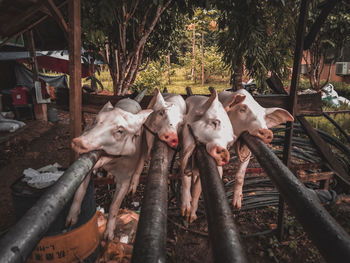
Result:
[[128, 105]]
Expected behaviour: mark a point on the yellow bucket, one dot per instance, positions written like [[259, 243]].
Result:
[[73, 246]]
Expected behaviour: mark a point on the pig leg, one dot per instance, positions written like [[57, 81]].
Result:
[[74, 211], [196, 192], [120, 192], [238, 187], [186, 196], [136, 177]]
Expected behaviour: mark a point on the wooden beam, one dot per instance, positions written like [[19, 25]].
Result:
[[292, 107], [307, 104], [325, 150], [57, 15], [8, 39], [17, 23], [315, 28], [74, 43], [40, 110]]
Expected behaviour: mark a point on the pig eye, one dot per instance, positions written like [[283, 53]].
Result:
[[161, 113], [215, 123], [243, 109]]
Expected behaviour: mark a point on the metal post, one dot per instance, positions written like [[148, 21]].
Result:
[[22, 238], [331, 240], [150, 241], [222, 231]]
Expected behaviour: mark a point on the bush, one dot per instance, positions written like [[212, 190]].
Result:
[[151, 77]]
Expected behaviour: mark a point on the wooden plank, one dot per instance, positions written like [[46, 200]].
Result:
[[316, 177], [74, 43], [325, 151], [308, 104]]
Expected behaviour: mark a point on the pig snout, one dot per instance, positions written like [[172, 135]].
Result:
[[221, 155], [170, 138], [79, 146], [265, 134]]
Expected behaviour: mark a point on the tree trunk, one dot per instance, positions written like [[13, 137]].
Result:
[[203, 78], [193, 73], [112, 65], [169, 65], [237, 75], [130, 59]]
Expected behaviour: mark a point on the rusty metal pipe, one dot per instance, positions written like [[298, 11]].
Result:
[[329, 237], [22, 238], [150, 240], [222, 231]]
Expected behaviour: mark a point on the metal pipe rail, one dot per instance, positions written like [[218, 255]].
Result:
[[222, 231], [329, 237], [22, 238], [150, 240]]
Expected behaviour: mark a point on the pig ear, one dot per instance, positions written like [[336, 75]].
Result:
[[157, 100], [207, 104], [107, 107], [276, 116], [236, 99], [143, 115]]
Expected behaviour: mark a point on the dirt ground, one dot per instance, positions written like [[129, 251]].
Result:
[[40, 144]]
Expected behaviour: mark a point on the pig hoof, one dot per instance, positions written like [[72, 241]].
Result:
[[193, 217], [71, 221], [108, 235], [237, 204]]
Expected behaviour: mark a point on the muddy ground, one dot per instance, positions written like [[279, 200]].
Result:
[[40, 144]]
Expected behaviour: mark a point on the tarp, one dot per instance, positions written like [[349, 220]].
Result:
[[57, 61], [24, 77]]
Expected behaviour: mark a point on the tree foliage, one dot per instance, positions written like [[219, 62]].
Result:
[[330, 40], [257, 34], [128, 32]]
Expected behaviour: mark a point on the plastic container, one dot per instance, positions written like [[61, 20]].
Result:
[[52, 114], [61, 244], [20, 95]]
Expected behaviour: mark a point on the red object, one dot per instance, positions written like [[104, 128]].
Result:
[[58, 65], [19, 95]]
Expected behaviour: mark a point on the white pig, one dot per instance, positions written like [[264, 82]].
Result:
[[165, 122], [208, 120], [166, 119], [117, 131], [247, 115]]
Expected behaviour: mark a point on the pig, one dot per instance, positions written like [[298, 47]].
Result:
[[166, 119], [117, 131], [208, 122], [246, 114], [164, 122]]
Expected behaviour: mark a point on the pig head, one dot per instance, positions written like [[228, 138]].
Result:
[[246, 114], [206, 122], [113, 131], [167, 117]]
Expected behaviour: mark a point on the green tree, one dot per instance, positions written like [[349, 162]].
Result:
[[257, 36], [129, 33], [329, 41]]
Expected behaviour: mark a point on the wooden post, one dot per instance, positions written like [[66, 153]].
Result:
[[202, 58], [293, 102], [74, 43], [40, 110]]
